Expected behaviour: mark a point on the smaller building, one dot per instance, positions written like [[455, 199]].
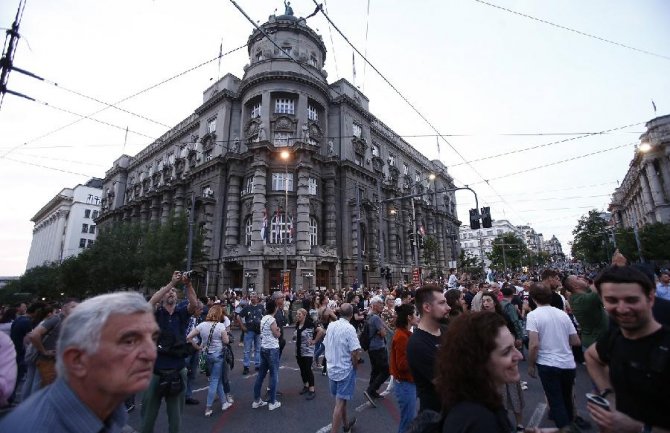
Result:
[[553, 247], [644, 194], [474, 242], [534, 241], [65, 225]]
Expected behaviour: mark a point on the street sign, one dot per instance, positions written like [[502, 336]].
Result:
[[416, 276], [287, 276]]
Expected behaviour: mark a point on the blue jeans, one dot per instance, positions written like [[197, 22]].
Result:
[[218, 375], [250, 338], [405, 394], [557, 384], [269, 362], [319, 350]]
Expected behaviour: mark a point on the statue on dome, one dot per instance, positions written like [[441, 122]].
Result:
[[288, 10]]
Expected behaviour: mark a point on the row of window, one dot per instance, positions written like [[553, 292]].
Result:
[[85, 243], [90, 214], [488, 233], [285, 106], [85, 228], [287, 52], [281, 230], [282, 182]]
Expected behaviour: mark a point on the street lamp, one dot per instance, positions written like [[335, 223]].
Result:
[[644, 147], [285, 156]]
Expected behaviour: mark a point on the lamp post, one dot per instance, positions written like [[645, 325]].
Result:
[[285, 156]]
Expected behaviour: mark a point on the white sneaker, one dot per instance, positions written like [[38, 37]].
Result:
[[229, 398], [275, 405], [225, 406], [257, 404]]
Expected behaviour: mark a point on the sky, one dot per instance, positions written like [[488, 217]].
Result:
[[493, 78]]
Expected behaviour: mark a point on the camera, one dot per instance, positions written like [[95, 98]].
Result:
[[189, 274]]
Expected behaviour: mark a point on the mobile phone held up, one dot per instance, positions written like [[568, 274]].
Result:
[[598, 400]]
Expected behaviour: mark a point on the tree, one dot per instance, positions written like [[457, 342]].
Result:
[[430, 249], [470, 264], [592, 242], [654, 241], [508, 252]]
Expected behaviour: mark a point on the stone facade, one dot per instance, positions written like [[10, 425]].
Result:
[[65, 225], [322, 207], [553, 247], [644, 194]]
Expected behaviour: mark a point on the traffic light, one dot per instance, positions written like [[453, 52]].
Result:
[[420, 240], [486, 217], [411, 238], [474, 219]]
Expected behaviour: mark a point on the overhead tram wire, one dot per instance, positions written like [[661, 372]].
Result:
[[49, 168], [579, 32], [138, 93], [424, 118], [539, 146], [551, 164], [332, 44]]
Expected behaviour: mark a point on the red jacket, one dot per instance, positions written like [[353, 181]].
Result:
[[399, 365]]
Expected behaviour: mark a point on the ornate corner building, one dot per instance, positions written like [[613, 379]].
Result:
[[644, 194], [283, 167]]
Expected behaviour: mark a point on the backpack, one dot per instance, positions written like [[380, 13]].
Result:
[[364, 338]]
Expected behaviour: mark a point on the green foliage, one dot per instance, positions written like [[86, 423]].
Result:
[[124, 256], [430, 249], [470, 264], [592, 242], [508, 252], [654, 240]]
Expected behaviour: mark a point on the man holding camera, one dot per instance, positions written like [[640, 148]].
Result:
[[169, 376]]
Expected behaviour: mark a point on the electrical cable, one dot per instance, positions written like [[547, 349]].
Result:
[[579, 32], [48, 168], [559, 198], [367, 26], [412, 106], [87, 163], [138, 93], [332, 43], [539, 146], [558, 162]]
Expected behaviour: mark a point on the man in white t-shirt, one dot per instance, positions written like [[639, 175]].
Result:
[[550, 335], [452, 282]]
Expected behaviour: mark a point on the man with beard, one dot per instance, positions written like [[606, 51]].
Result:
[[169, 376], [630, 364], [552, 279], [424, 343]]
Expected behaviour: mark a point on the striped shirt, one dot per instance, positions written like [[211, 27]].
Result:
[[57, 408], [341, 340]]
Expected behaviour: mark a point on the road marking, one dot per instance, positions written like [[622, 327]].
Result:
[[537, 416]]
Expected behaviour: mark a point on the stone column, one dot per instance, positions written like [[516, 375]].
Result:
[[665, 173], [302, 204], [165, 207], [259, 210], [179, 200], [392, 225], [646, 196], [232, 233], [373, 236], [155, 208], [406, 229], [330, 238], [441, 246], [654, 184]]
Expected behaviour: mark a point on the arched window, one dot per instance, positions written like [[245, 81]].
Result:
[[398, 245], [247, 230], [313, 232], [281, 229]]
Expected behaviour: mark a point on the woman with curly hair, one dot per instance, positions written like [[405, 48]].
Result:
[[477, 357]]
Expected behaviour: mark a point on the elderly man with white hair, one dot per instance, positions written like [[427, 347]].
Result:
[[105, 352], [379, 361]]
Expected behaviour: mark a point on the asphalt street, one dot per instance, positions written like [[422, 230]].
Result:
[[299, 415]]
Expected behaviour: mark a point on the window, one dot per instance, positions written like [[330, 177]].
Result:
[[391, 160], [211, 125], [417, 176], [248, 228], [250, 185], [284, 106], [91, 229], [313, 232], [281, 139], [82, 243], [84, 228], [208, 155], [312, 113], [87, 213], [282, 181], [405, 168], [356, 130], [398, 246], [489, 232], [375, 150], [311, 186], [95, 214], [256, 110], [358, 160], [259, 55], [89, 243], [313, 60], [362, 238], [281, 229], [287, 50]]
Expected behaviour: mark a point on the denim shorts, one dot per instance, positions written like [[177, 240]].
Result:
[[344, 389]]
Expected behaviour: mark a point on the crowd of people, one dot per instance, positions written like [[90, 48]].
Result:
[[448, 353]]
